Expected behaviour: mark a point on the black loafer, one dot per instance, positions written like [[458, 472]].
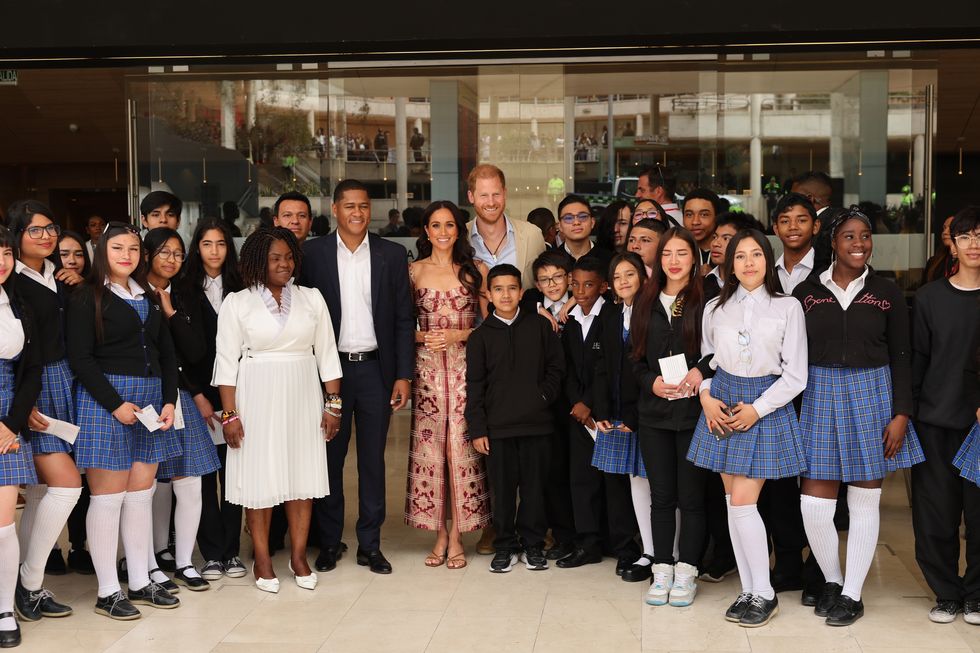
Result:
[[167, 584], [80, 562], [167, 564], [9, 638], [373, 560], [845, 612], [579, 558], [55, 566], [624, 562], [637, 573], [193, 583], [828, 597], [737, 609], [760, 612], [329, 555], [116, 606], [559, 551], [153, 594]]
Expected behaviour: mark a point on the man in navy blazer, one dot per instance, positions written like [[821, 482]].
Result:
[[364, 280]]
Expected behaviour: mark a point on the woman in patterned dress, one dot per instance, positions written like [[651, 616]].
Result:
[[446, 477]]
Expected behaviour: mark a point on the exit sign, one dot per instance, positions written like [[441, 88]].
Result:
[[8, 78]]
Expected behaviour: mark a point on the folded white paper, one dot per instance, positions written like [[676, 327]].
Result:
[[149, 416], [178, 414], [217, 433], [64, 430], [673, 369]]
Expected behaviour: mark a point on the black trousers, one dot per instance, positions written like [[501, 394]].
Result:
[[367, 406], [557, 493], [220, 530], [517, 468], [76, 519], [940, 499], [674, 483], [602, 504], [779, 505], [716, 516]]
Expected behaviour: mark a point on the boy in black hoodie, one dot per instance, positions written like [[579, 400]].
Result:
[[514, 365]]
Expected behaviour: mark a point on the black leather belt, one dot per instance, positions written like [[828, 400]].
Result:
[[359, 357]]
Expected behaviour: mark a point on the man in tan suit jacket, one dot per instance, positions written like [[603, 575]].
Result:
[[495, 237]]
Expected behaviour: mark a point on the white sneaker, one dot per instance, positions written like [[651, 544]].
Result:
[[663, 579], [685, 586]]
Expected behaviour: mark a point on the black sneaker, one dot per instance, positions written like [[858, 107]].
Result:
[[559, 551], [212, 570], [503, 561], [194, 583], [945, 611], [155, 595], [845, 612], [55, 566], [166, 561], [971, 611], [760, 612], [235, 568], [827, 599], [80, 562], [116, 606], [534, 559], [736, 610]]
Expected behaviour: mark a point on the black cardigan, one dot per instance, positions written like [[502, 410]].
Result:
[[128, 347], [187, 328], [27, 380], [872, 332], [49, 310], [665, 337], [614, 371]]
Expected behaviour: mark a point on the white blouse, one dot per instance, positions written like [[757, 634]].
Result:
[[45, 277], [756, 334], [844, 295], [11, 330]]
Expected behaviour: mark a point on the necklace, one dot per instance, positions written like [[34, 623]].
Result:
[[500, 243]]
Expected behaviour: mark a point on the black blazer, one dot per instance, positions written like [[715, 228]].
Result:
[[391, 298], [49, 311], [582, 356], [128, 347], [191, 341], [27, 378], [614, 371]]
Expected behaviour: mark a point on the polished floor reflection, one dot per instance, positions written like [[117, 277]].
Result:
[[422, 609]]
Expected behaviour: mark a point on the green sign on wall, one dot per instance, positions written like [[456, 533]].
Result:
[[8, 78]]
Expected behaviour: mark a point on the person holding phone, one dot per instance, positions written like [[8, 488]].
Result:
[[750, 432]]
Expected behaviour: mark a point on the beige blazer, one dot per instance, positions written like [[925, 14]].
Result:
[[530, 244]]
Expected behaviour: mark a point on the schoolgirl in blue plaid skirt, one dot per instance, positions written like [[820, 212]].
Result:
[[967, 459], [17, 465], [57, 400]]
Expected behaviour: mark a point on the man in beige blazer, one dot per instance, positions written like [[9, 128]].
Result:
[[495, 237]]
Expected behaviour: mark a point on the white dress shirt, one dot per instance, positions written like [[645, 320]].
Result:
[[584, 319], [11, 330], [776, 331], [554, 307], [45, 277], [506, 252], [214, 290], [627, 315], [132, 291], [790, 280], [716, 273], [510, 321], [356, 318], [844, 295]]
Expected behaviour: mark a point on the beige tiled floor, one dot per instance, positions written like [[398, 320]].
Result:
[[421, 609]]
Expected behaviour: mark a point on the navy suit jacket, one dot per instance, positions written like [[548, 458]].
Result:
[[391, 298]]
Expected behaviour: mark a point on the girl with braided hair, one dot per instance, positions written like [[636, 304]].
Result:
[[275, 343]]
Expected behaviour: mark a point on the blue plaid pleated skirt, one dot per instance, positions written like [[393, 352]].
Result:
[[618, 452], [199, 455], [771, 449], [967, 459], [845, 412], [57, 400], [16, 467], [106, 443]]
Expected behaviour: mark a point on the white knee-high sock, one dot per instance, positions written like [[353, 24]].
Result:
[[744, 573], [818, 522], [163, 501], [752, 533], [33, 494], [640, 491], [188, 518], [102, 531], [52, 513], [137, 518], [862, 537], [8, 573]]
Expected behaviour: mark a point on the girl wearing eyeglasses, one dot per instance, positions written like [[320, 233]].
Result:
[[750, 432], [123, 356], [856, 409], [45, 289], [20, 383]]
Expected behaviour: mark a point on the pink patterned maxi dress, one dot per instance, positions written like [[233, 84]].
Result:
[[440, 456]]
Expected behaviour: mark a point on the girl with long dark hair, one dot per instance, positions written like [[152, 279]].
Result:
[[449, 293], [750, 432], [20, 384], [71, 254], [667, 322], [123, 357]]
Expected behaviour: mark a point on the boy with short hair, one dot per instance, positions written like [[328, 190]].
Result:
[[795, 223], [701, 209], [550, 294], [575, 223], [160, 209], [514, 366]]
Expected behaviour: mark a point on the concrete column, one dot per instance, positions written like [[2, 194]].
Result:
[[251, 91], [444, 139], [918, 164], [836, 135], [401, 153], [755, 155], [610, 139], [228, 115], [568, 173], [639, 124], [873, 134]]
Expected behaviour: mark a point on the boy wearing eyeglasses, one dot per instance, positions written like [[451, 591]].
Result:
[[575, 222]]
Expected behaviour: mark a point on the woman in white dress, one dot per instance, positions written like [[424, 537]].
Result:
[[275, 344]]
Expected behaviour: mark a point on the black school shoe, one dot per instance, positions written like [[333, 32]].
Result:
[[116, 606], [193, 583], [737, 609], [760, 612], [153, 594], [32, 605], [636, 573], [167, 584], [845, 612], [579, 558], [559, 551], [9, 638], [828, 598], [55, 566], [166, 561]]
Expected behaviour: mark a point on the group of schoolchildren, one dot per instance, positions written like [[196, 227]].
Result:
[[717, 402]]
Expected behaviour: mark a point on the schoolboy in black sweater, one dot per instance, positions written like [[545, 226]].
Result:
[[514, 366], [944, 324]]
